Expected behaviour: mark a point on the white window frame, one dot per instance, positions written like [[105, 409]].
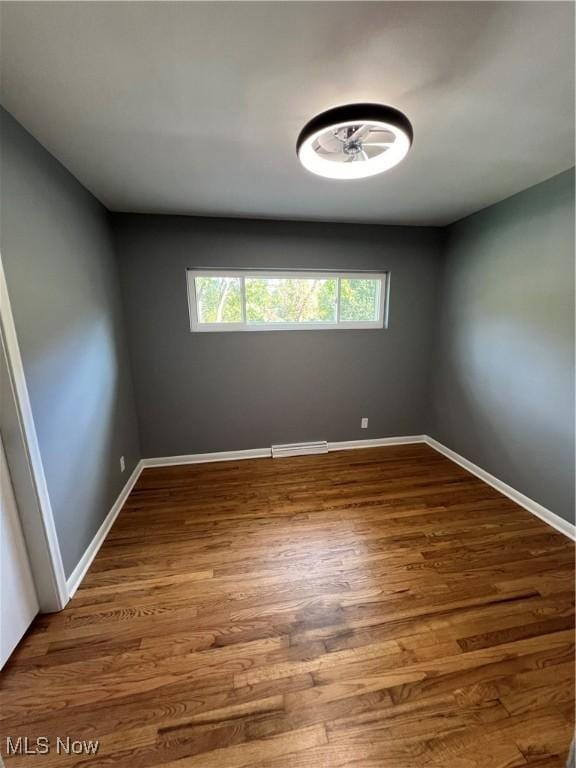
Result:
[[197, 327]]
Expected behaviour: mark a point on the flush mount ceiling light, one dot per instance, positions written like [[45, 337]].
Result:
[[354, 141]]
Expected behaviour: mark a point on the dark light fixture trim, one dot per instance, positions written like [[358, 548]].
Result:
[[339, 143]]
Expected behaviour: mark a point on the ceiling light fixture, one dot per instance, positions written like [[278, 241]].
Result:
[[354, 141]]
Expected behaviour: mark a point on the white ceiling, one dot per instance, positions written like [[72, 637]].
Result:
[[191, 107]]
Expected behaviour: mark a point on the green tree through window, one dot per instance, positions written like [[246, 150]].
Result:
[[359, 300], [252, 299], [287, 300]]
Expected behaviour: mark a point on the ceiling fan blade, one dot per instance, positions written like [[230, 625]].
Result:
[[359, 132], [329, 143], [377, 143]]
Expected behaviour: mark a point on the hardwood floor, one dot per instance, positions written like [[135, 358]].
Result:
[[375, 608]]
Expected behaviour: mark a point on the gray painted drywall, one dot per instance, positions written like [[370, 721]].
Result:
[[202, 392], [58, 257], [504, 384]]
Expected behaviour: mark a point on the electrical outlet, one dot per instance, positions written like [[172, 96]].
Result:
[[122, 464], [364, 423]]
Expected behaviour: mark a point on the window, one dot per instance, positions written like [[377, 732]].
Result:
[[254, 300]]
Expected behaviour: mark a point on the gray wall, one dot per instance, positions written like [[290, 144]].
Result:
[[504, 390], [58, 257], [202, 392]]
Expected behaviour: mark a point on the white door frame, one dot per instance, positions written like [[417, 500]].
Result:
[[18, 598], [35, 509]]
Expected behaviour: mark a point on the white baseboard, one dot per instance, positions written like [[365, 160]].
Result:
[[348, 445], [263, 453], [75, 578], [203, 458], [532, 506]]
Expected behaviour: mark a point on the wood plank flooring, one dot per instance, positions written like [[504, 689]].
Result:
[[376, 608]]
